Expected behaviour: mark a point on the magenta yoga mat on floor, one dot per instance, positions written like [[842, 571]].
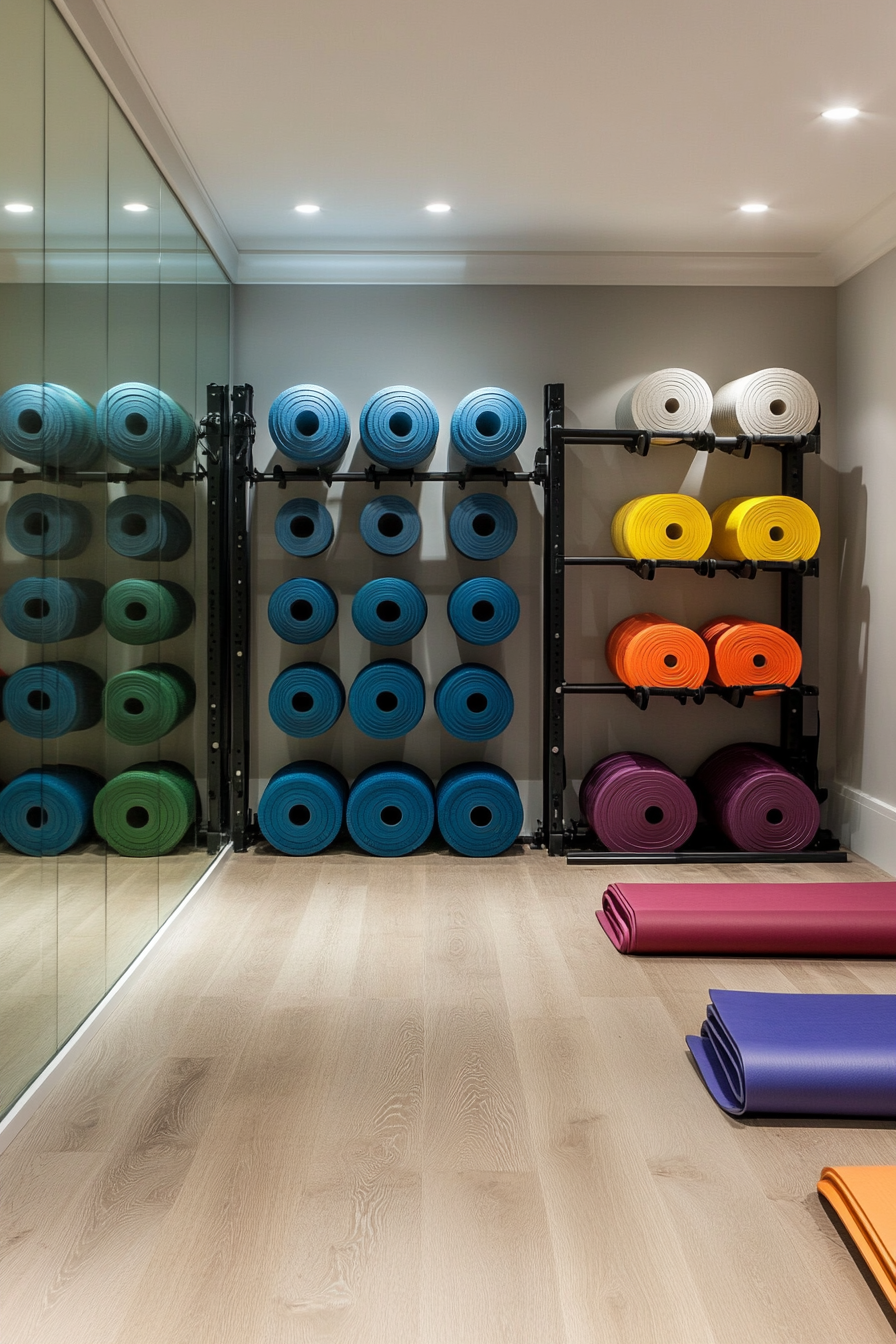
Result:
[[811, 919]]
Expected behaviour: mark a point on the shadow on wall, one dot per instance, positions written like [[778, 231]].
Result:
[[854, 604]]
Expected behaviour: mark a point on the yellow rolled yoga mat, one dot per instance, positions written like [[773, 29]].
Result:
[[662, 527], [864, 1199], [765, 527]]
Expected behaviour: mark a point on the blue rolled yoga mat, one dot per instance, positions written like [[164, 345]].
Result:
[[144, 427], [487, 425], [46, 811], [483, 526], [390, 809], [389, 611], [387, 698], [799, 1054], [309, 425], [44, 611], [47, 527], [390, 525], [303, 610], [483, 610], [306, 700], [303, 527], [479, 810], [50, 699], [399, 426], [302, 808], [141, 527], [473, 702], [45, 424]]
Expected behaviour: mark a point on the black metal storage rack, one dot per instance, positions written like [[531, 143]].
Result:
[[798, 749]]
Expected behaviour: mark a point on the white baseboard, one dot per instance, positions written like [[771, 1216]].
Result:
[[865, 824], [73, 1048]]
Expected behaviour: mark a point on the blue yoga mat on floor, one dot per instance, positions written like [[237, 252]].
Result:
[[389, 611], [390, 525], [45, 424], [306, 700], [309, 425], [50, 699], [141, 527], [302, 808], [473, 702], [488, 425], [387, 698], [44, 611], [483, 526], [479, 809], [390, 809], [46, 811], [303, 610], [303, 527], [799, 1054], [483, 610], [48, 527], [144, 427], [399, 427]]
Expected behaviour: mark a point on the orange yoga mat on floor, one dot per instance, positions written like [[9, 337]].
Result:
[[864, 1199], [648, 650], [747, 653]]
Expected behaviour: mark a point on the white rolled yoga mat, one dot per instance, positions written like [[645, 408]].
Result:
[[670, 401], [772, 401]]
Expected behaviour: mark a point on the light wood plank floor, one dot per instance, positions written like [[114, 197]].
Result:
[[425, 1102]]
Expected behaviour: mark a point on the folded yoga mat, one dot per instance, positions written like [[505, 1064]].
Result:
[[48, 527], [755, 801], [483, 610], [143, 705], [303, 527], [50, 699], [45, 611], [648, 650], [399, 427], [47, 810], [302, 611], [670, 402], [774, 919], [387, 698], [662, 527], [482, 526], [309, 425], [772, 401], [864, 1199], [147, 810], [48, 425], [799, 1054], [144, 611], [390, 525], [143, 427], [488, 425], [302, 807], [473, 702], [306, 700], [389, 611], [747, 653], [765, 527], [390, 809], [635, 803], [141, 527], [479, 809]]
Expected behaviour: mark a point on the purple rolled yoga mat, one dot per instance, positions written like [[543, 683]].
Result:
[[633, 802], [756, 801]]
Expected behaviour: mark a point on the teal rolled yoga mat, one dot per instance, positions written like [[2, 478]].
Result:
[[142, 611]]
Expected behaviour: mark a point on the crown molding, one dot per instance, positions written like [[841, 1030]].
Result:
[[864, 243]]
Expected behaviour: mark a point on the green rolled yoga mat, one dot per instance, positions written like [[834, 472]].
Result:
[[147, 810], [142, 611], [145, 704]]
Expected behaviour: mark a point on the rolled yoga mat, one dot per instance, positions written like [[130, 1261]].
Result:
[[48, 425], [473, 702], [50, 699], [669, 402], [799, 1054], [389, 611], [387, 698], [306, 700], [483, 610], [482, 526], [662, 527], [756, 802], [634, 803], [864, 1199], [45, 611], [478, 809], [143, 705], [144, 611], [648, 650], [399, 427], [303, 527], [765, 527], [45, 811], [144, 427], [772, 401], [390, 809], [302, 808], [390, 525], [147, 810], [748, 653], [302, 611], [774, 919], [141, 527], [48, 527], [488, 425], [309, 425]]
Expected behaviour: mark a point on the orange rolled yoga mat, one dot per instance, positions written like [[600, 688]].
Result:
[[765, 527], [648, 650], [864, 1199], [747, 653]]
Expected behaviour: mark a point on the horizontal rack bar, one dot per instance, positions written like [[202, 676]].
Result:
[[59, 476], [599, 856], [706, 567], [641, 695], [377, 476], [639, 441]]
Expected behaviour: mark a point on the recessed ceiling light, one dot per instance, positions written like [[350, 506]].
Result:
[[438, 208], [840, 113], [308, 209], [18, 208], [137, 207], [754, 208]]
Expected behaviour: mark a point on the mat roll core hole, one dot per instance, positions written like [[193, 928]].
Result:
[[307, 423], [37, 817], [774, 816], [133, 706], [390, 525], [30, 422], [674, 531], [489, 424], [776, 533], [133, 525], [777, 407], [135, 611], [36, 524], [36, 608], [302, 702], [482, 610], [39, 700], [137, 817], [481, 815], [391, 816], [477, 702], [401, 424], [654, 815], [301, 610], [135, 423], [759, 660], [301, 526], [387, 701], [670, 660], [672, 405], [300, 815], [484, 524], [388, 611]]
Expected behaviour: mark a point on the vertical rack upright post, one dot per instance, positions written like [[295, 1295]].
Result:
[[216, 436], [241, 478]]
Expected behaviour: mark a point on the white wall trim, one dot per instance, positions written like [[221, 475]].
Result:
[[865, 824], [69, 1054], [863, 244]]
